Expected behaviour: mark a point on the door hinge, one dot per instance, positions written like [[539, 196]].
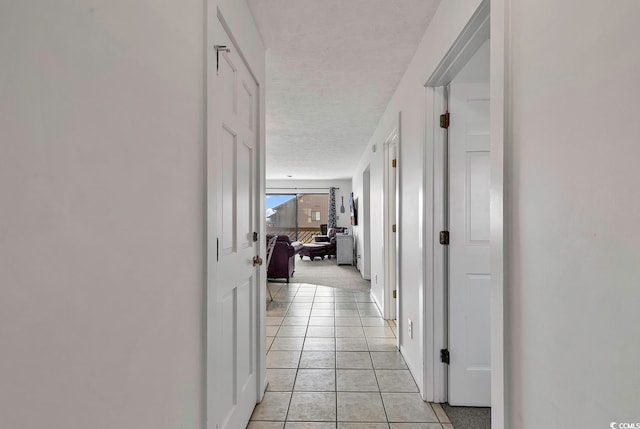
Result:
[[444, 120], [395, 293], [217, 249], [444, 237], [393, 227], [444, 356], [394, 163], [220, 48], [255, 237]]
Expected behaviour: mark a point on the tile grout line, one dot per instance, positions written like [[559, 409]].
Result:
[[295, 377]]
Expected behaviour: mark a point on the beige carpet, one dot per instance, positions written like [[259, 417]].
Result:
[[328, 273]]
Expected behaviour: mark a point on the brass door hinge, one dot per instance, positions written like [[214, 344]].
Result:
[[395, 294], [393, 163], [393, 227], [444, 237], [445, 357], [444, 120], [220, 48]]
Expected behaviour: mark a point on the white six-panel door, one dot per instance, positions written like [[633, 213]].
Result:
[[231, 158], [469, 251]]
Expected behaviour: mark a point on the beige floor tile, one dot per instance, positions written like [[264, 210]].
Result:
[[366, 306], [315, 380], [295, 320], [351, 344], [272, 330], [360, 407], [274, 320], [346, 305], [320, 299], [301, 305], [309, 425], [321, 321], [416, 426], [382, 344], [283, 359], [321, 331], [292, 331], [322, 313], [349, 331], [318, 360], [356, 380], [378, 331], [363, 426], [299, 313], [388, 360], [323, 305], [347, 313], [353, 360], [408, 407], [280, 380], [319, 344], [348, 321], [273, 407], [312, 407], [345, 298], [265, 425], [372, 321], [396, 380], [287, 343]]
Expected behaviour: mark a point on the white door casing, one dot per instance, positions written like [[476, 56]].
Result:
[[469, 249], [232, 168], [390, 219]]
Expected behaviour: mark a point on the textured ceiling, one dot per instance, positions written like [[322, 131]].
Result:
[[332, 66]]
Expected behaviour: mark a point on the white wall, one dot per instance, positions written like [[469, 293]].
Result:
[[374, 162], [573, 204], [343, 219], [409, 100], [102, 208]]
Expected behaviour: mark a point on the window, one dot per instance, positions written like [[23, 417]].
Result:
[[297, 215]]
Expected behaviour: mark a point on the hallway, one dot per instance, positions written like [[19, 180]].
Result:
[[332, 362]]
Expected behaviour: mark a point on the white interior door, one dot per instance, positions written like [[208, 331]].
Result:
[[469, 251], [232, 166]]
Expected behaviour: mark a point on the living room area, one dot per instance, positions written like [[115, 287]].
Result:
[[311, 237]]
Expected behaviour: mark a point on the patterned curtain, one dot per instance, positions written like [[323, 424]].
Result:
[[332, 208]]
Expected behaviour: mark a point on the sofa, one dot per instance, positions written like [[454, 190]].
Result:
[[330, 239], [283, 262]]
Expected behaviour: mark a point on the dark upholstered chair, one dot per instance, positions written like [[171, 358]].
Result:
[[283, 261], [330, 238]]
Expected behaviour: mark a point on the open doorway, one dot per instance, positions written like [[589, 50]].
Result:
[[461, 353], [365, 255]]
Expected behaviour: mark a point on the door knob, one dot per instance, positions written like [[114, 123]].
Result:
[[257, 260]]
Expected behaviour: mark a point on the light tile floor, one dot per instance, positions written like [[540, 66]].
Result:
[[332, 363]]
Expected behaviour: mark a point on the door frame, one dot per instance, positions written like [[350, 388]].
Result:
[[490, 18], [210, 411], [365, 215], [391, 309]]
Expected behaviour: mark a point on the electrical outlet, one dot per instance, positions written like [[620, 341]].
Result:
[[410, 328]]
